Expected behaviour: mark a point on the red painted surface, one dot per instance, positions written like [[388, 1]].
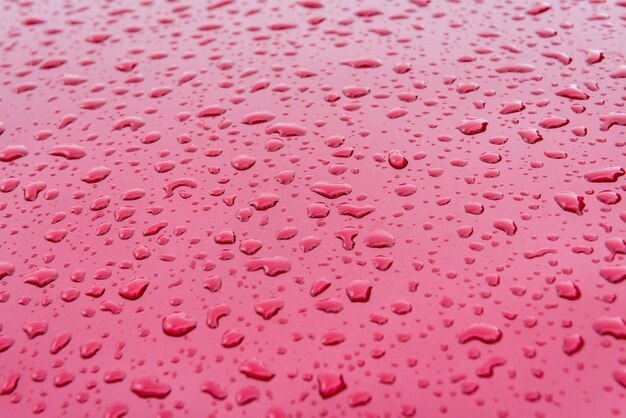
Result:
[[312, 208]]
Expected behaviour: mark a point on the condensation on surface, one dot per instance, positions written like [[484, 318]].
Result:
[[312, 208]]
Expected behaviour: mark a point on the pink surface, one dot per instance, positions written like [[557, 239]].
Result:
[[312, 208]]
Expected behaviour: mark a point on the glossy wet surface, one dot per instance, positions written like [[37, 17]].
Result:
[[312, 208]]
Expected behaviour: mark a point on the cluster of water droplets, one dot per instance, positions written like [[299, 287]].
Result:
[[312, 208]]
